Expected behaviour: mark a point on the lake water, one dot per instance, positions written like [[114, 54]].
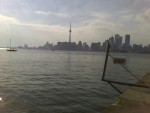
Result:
[[38, 81]]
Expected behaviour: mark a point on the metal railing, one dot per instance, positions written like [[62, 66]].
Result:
[[111, 82]]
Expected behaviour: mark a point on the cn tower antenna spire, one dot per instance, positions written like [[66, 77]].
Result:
[[70, 33]]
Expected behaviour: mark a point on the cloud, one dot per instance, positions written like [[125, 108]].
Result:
[[42, 13], [43, 27], [6, 19], [52, 13], [48, 28], [28, 32], [144, 17]]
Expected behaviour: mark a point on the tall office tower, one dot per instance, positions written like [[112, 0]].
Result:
[[118, 41], [70, 34], [127, 40], [111, 41]]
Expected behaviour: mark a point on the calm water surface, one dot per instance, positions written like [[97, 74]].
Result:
[[36, 81]]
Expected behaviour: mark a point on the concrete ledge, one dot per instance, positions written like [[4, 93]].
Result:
[[133, 100]]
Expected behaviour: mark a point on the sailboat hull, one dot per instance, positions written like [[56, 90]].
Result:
[[12, 50]]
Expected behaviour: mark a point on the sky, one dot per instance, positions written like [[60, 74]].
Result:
[[34, 22]]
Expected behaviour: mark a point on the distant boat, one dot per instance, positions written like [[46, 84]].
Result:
[[11, 49]]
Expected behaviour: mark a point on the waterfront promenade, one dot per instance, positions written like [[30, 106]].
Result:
[[133, 100]]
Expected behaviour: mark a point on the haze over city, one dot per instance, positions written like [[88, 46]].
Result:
[[35, 22]]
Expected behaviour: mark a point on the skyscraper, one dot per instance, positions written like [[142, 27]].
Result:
[[118, 41], [127, 40], [70, 33], [111, 41]]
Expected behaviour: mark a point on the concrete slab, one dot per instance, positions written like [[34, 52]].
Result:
[[133, 100]]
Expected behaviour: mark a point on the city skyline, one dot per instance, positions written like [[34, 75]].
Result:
[[35, 22], [116, 43]]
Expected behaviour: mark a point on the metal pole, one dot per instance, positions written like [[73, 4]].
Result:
[[106, 59], [124, 83], [115, 87]]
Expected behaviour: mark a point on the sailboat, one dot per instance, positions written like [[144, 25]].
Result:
[[11, 49]]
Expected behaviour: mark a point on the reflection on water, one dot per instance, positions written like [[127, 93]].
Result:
[[1, 99], [3, 48], [34, 81]]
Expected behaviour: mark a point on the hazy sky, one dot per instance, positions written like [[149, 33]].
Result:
[[36, 21]]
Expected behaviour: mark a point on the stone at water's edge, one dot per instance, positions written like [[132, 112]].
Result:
[[133, 100]]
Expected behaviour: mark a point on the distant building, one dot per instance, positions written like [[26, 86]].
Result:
[[62, 45], [104, 46], [85, 47], [95, 46], [66, 46], [137, 48], [26, 46], [111, 42], [72, 46], [46, 46], [79, 46], [118, 42], [126, 47], [127, 40]]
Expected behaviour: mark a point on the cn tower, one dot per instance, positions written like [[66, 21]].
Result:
[[70, 33]]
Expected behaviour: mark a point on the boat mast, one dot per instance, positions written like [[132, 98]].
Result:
[[10, 42]]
